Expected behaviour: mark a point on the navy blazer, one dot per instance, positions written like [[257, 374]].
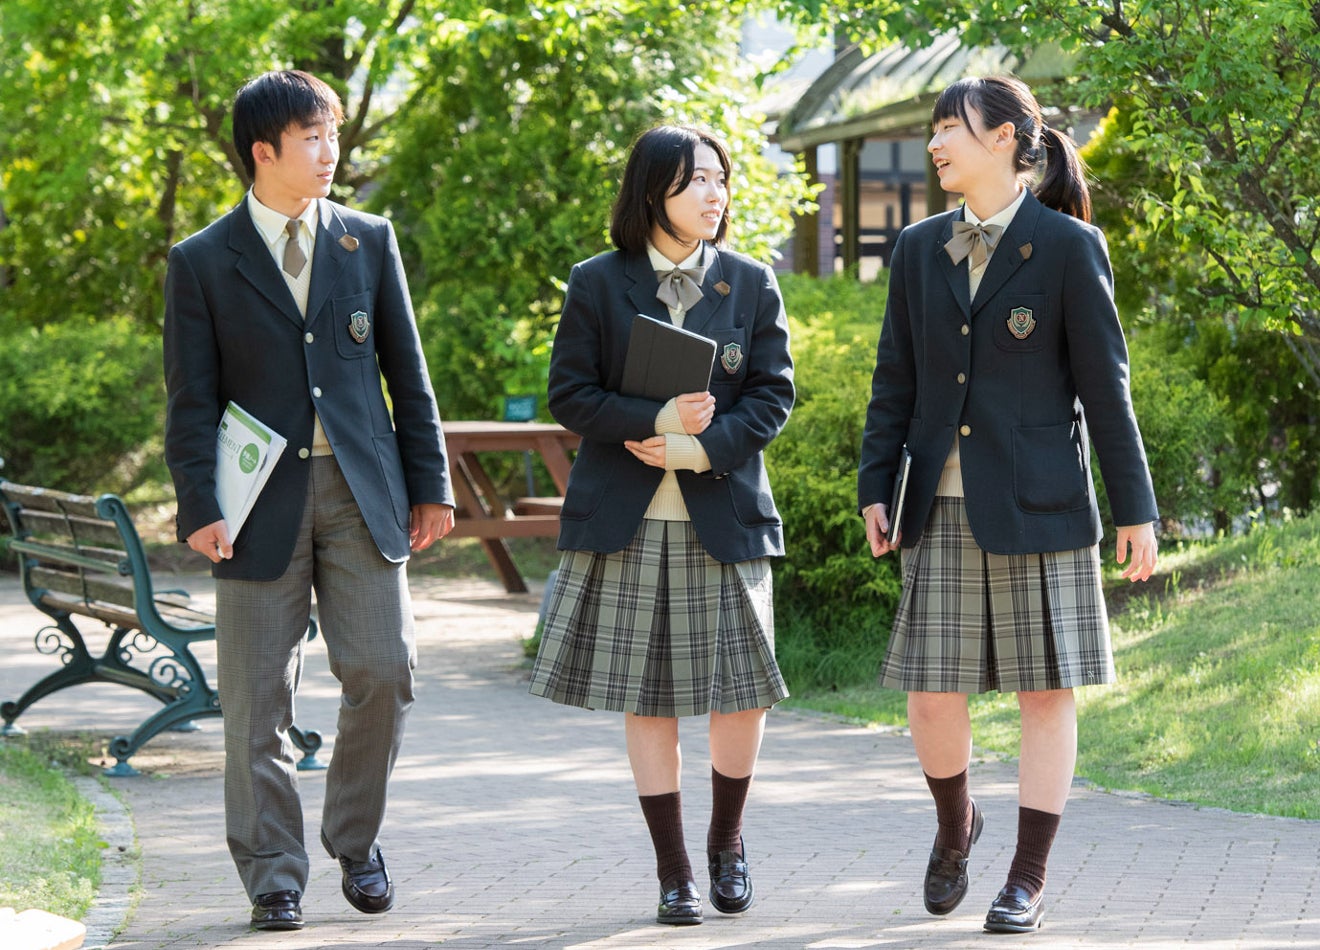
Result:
[[1030, 373], [233, 331], [609, 490]]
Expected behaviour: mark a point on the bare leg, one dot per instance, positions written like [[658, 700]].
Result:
[[735, 741], [1049, 749], [941, 732], [653, 753]]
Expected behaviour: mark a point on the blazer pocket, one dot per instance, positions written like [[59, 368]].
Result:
[[730, 355], [1051, 468], [1024, 323], [354, 327]]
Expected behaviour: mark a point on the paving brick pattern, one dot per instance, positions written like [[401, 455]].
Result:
[[513, 823]]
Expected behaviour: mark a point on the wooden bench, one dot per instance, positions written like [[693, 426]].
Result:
[[538, 505], [80, 556]]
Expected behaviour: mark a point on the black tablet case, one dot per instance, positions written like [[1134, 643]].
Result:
[[664, 360]]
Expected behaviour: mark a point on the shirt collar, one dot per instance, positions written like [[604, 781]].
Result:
[[661, 263], [1003, 218], [271, 223]]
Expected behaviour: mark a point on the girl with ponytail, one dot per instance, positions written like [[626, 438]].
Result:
[[1001, 361]]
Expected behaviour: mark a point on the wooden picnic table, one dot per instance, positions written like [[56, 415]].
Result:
[[483, 512]]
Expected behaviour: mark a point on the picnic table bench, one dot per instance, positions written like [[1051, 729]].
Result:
[[81, 556]]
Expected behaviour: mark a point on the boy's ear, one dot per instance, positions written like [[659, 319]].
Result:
[[263, 153]]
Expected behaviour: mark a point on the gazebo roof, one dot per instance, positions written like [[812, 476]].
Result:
[[890, 93]]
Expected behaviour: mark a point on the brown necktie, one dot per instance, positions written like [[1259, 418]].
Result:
[[978, 240], [294, 258]]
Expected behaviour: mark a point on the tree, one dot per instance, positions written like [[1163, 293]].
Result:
[[1224, 103], [505, 172], [116, 133]]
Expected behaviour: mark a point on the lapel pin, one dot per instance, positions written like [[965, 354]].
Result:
[[1025, 251], [722, 288], [348, 243]]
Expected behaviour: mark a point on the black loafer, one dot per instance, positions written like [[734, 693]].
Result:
[[680, 903], [1015, 911], [367, 884], [278, 910], [731, 890], [946, 872]]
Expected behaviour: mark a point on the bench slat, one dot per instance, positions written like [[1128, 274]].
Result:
[[84, 585], [84, 530]]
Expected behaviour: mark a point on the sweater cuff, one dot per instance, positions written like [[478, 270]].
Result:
[[667, 420], [684, 452]]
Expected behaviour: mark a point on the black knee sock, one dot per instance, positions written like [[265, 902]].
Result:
[[664, 817], [728, 796], [953, 811], [1036, 830]]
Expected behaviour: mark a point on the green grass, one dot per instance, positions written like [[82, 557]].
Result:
[[1218, 699], [50, 845]]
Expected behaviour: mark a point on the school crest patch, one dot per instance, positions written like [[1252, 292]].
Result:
[[731, 358], [359, 326], [1021, 322]]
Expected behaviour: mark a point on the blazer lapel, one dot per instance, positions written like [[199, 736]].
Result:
[[257, 265], [642, 292], [328, 258], [711, 296], [955, 274], [1011, 252]]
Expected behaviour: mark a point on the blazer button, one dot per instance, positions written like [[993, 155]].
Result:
[[304, 453], [316, 391], [308, 338], [964, 430], [965, 330], [962, 378]]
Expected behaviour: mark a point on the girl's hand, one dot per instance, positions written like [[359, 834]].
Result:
[[877, 530], [695, 410], [651, 451], [1145, 551]]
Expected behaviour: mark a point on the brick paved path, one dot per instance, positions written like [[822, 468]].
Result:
[[513, 822]]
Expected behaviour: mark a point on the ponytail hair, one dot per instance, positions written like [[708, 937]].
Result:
[[1001, 99]]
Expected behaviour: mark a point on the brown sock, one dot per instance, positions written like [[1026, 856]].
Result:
[[728, 796], [664, 816], [1036, 830], [953, 811]]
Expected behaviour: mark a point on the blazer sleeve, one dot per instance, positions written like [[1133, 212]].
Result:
[[764, 399], [192, 377], [402, 364], [1098, 359], [893, 391], [586, 362]]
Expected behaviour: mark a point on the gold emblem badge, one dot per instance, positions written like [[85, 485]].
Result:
[[348, 243], [1021, 322]]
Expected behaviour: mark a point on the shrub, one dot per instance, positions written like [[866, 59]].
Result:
[[82, 404], [834, 602]]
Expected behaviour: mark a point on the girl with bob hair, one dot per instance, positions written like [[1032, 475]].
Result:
[[662, 605], [1001, 360]]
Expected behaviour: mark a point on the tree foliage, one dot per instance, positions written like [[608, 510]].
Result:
[[1224, 103], [509, 163]]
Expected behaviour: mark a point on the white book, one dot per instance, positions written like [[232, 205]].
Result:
[[246, 451]]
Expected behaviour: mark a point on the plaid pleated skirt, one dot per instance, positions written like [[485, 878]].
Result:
[[971, 622], [660, 628]]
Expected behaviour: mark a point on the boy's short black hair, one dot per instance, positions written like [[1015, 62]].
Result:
[[272, 102]]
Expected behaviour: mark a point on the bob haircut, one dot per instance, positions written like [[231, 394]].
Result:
[[273, 102], [660, 166], [1001, 99]]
